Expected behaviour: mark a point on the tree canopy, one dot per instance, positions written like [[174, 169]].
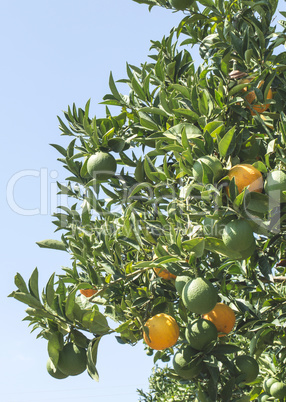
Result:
[[153, 192]]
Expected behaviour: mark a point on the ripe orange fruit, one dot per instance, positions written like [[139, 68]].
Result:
[[88, 292], [223, 317], [162, 331], [246, 175], [163, 272], [251, 97]]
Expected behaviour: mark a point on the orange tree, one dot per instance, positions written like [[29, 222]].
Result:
[[151, 195]]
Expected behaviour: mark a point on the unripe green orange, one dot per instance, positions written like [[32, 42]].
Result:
[[183, 362], [54, 371], [101, 165], [278, 390], [199, 295], [267, 384], [238, 235], [72, 359], [247, 366], [201, 333]]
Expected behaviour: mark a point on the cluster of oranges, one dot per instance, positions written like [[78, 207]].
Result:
[[162, 331]]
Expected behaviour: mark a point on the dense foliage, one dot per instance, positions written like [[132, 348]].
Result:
[[166, 201]]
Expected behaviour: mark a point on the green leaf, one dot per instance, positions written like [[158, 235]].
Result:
[[79, 339], [95, 322], [225, 144], [184, 90], [55, 345], [33, 284], [147, 122], [70, 304], [53, 244], [61, 150], [192, 116], [27, 299], [196, 245], [116, 144], [113, 88], [129, 242], [207, 3], [20, 283], [217, 246], [50, 293], [237, 88], [126, 160], [92, 359], [138, 89]]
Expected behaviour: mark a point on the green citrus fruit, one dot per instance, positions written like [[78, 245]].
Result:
[[238, 235], [181, 4], [180, 283], [247, 366], [200, 333], [56, 373], [275, 184], [207, 169], [72, 360], [183, 364], [267, 384], [101, 165], [199, 295], [263, 397], [248, 252], [278, 390]]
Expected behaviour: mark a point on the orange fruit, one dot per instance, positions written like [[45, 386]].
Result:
[[162, 331], [246, 175], [223, 317], [251, 97], [163, 272], [88, 292]]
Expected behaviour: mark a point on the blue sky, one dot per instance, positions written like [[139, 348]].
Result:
[[54, 53]]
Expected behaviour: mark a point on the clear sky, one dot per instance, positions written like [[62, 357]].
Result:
[[54, 53]]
